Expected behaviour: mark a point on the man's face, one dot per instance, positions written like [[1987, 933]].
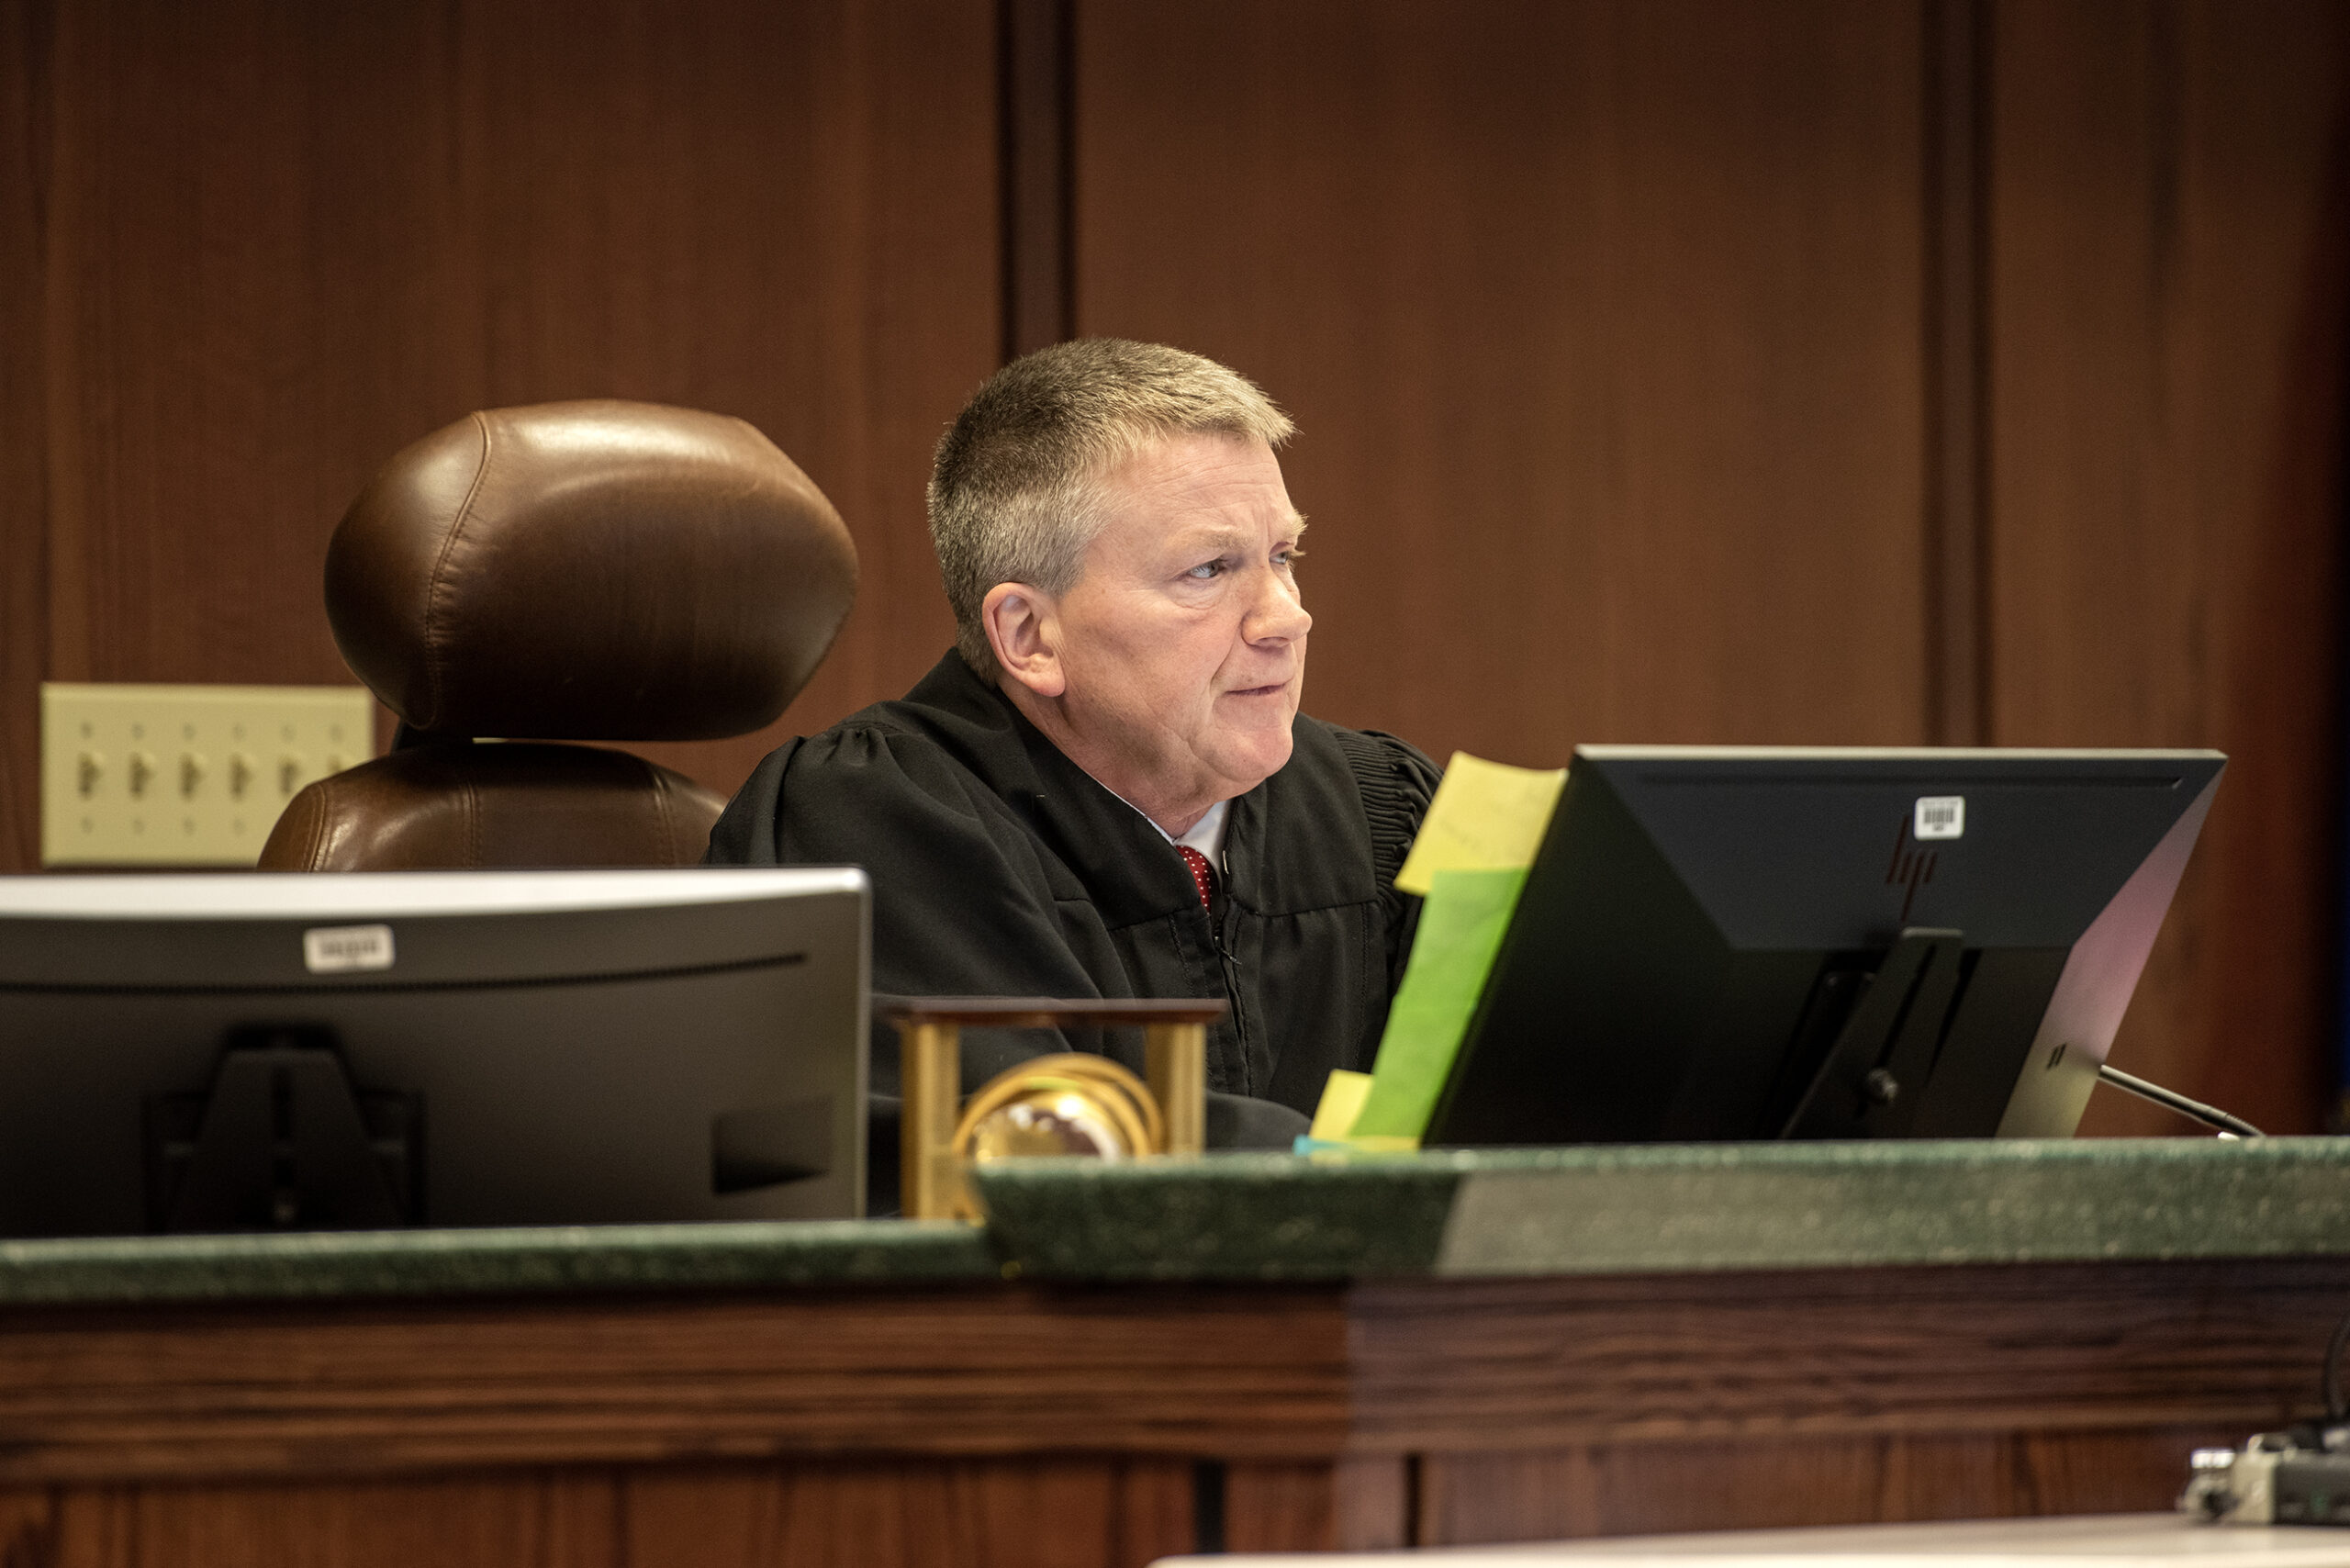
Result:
[[1182, 642]]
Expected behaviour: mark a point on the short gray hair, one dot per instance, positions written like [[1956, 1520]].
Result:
[[1014, 491]]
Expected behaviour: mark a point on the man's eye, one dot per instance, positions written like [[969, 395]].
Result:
[[1289, 557], [1206, 569]]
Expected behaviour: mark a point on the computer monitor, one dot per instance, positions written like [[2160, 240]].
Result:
[[1738, 942], [250, 1052]]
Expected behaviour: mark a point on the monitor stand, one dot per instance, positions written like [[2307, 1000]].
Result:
[[283, 1141], [1873, 1080]]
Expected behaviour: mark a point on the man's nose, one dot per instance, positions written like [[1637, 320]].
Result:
[[1279, 614]]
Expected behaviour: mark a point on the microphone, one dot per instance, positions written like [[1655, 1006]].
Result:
[[2172, 1100]]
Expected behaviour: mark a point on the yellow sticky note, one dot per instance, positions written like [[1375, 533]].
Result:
[[1486, 816], [1342, 1098]]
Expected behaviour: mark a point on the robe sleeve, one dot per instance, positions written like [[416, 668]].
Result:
[[1397, 781], [963, 905], [745, 833]]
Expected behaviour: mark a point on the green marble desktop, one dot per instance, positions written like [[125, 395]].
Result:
[[1274, 1217]]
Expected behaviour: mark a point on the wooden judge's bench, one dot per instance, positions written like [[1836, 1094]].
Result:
[[1240, 1351]]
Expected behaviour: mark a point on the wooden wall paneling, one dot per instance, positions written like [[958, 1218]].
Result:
[[25, 214], [932, 336], [1045, 1512], [27, 1528], [1052, 1510], [1084, 1512], [552, 1519], [1602, 322], [270, 254], [1359, 1504], [1155, 1508], [783, 212], [2167, 273], [780, 212], [1640, 1488], [184, 523]]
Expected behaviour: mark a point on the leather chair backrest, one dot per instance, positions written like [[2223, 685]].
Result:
[[451, 805], [588, 571]]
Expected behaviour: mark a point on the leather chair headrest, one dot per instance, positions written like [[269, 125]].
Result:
[[589, 571]]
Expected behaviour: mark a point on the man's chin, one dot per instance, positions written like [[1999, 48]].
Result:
[[1250, 764]]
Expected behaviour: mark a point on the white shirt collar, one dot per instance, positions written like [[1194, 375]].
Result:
[[1206, 835]]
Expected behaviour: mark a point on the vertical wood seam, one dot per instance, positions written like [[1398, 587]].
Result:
[[1957, 310], [67, 653], [25, 638], [1037, 147]]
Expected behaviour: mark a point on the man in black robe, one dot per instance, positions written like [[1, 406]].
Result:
[[1106, 789]]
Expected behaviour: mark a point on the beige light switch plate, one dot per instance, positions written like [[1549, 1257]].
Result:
[[185, 775]]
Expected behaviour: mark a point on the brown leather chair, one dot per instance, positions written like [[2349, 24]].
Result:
[[592, 571]]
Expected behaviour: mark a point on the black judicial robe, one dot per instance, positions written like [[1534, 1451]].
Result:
[[1002, 869]]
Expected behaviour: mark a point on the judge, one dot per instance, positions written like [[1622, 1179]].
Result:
[[1106, 789]]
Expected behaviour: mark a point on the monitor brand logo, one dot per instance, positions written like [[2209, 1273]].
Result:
[[1912, 867], [341, 949]]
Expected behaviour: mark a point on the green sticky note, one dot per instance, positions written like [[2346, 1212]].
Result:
[[1461, 931]]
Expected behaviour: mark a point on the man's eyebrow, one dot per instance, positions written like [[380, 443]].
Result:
[[1242, 540]]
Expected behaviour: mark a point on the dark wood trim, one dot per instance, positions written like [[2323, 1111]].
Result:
[[1267, 1374], [1038, 119], [1956, 304], [1458, 1365], [295, 1392]]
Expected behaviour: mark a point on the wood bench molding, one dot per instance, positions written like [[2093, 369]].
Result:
[[285, 1392]]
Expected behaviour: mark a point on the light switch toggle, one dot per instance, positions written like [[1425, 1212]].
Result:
[[159, 776]]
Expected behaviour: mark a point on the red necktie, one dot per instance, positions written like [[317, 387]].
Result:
[[1202, 874]]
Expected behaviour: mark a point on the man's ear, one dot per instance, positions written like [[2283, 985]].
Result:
[[1024, 628]]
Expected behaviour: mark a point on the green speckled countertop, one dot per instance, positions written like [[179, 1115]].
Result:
[[1673, 1207], [1273, 1218], [471, 1262]]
